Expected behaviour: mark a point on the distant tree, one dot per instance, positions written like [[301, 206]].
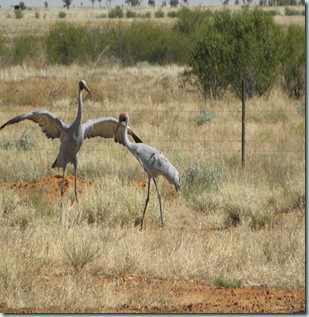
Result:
[[46, 4], [174, 3], [67, 3], [151, 3], [22, 5], [163, 3], [133, 3], [100, 3], [109, 3], [226, 2], [92, 1]]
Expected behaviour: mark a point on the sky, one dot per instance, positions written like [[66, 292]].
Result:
[[87, 3]]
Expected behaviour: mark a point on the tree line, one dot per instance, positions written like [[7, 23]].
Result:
[[219, 49]]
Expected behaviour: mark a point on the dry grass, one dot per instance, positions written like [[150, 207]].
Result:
[[228, 223]]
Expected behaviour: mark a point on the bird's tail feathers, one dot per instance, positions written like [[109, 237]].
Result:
[[55, 164], [136, 138]]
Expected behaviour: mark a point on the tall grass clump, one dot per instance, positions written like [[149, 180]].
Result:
[[147, 41], [80, 252], [97, 43], [26, 48], [25, 142], [4, 50]]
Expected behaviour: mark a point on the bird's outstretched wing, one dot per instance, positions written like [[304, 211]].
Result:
[[50, 124], [105, 128]]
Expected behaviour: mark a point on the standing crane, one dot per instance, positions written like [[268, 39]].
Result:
[[153, 162], [72, 136]]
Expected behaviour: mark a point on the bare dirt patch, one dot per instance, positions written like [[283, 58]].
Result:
[[188, 297]]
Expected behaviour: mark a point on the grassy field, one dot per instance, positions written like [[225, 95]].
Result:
[[243, 226]]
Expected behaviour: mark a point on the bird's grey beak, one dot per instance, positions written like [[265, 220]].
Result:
[[86, 88]]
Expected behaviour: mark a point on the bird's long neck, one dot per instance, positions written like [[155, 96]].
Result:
[[80, 107], [127, 142]]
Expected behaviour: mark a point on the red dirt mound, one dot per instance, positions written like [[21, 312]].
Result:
[[49, 185]]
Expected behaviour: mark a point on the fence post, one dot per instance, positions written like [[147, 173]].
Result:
[[243, 122]]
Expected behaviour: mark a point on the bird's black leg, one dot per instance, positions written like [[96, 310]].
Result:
[[75, 177], [146, 203], [75, 188], [62, 192], [159, 196]]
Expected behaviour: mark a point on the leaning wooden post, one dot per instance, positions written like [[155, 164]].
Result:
[[243, 121]]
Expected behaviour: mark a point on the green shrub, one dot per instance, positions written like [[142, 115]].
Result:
[[221, 282], [26, 142], [211, 64], [240, 46], [274, 12], [130, 14], [289, 11], [294, 61], [257, 52], [62, 15], [18, 14], [95, 41], [202, 178], [203, 116], [116, 13], [172, 14], [64, 43], [159, 14]]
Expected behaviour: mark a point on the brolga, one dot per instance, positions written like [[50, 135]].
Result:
[[153, 162], [72, 136]]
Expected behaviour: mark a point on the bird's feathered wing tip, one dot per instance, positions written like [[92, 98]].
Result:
[[136, 138], [177, 186], [177, 182]]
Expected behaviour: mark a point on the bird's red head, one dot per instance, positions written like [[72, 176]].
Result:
[[122, 116]]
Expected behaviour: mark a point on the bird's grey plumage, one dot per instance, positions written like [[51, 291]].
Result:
[[153, 162], [50, 124], [106, 127], [72, 136]]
